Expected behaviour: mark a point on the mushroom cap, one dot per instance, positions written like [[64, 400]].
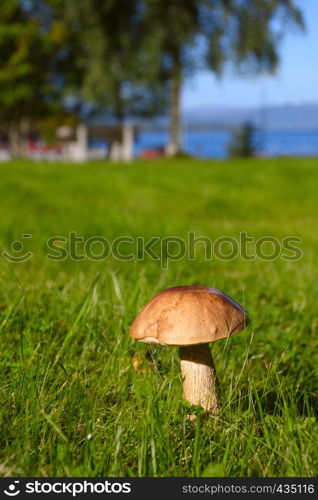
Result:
[[188, 315]]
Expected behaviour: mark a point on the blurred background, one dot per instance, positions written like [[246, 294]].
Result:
[[88, 80]]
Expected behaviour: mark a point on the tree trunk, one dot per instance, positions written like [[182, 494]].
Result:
[[14, 141], [18, 135], [174, 146]]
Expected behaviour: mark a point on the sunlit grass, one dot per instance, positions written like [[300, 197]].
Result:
[[71, 403]]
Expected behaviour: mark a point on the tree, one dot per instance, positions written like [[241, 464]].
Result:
[[33, 61], [114, 60], [243, 142], [211, 33], [125, 55]]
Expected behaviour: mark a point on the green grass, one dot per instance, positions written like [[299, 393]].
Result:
[[66, 357]]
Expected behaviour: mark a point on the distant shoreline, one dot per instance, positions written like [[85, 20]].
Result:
[[213, 143]]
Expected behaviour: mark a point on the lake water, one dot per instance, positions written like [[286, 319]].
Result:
[[214, 144]]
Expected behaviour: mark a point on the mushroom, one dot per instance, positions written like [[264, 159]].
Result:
[[190, 317]]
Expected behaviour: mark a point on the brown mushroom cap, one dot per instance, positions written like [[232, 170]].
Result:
[[188, 315]]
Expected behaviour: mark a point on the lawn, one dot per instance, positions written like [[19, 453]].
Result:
[[72, 403]]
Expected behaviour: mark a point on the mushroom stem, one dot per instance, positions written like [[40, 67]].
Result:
[[200, 385]]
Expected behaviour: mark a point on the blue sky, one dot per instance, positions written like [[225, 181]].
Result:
[[295, 82]]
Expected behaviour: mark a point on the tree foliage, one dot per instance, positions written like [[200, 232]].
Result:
[[212, 34], [115, 57], [35, 48], [243, 142], [31, 57], [126, 55]]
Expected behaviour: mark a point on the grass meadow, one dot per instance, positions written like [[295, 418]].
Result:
[[71, 401]]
